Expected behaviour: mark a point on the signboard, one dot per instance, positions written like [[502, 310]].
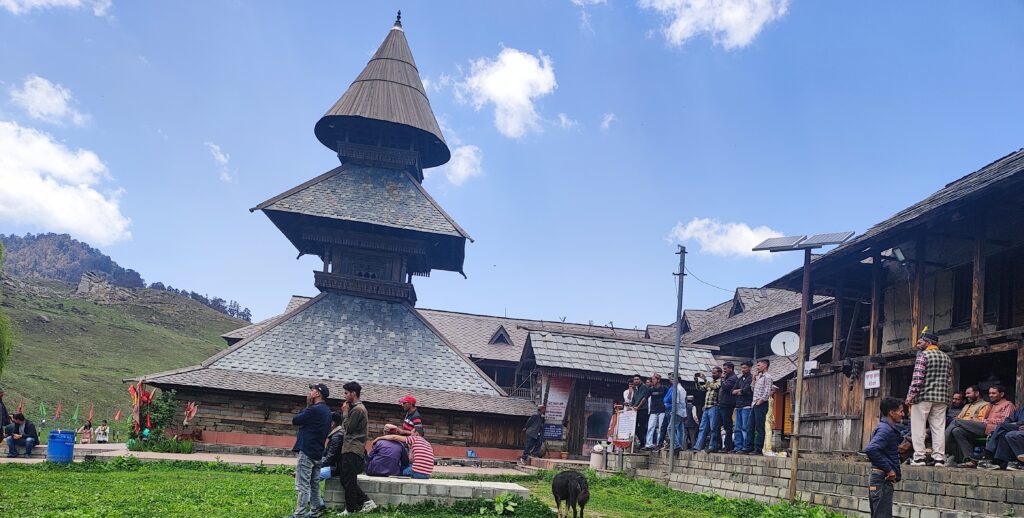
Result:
[[553, 432], [558, 398], [626, 425], [810, 365], [872, 379]]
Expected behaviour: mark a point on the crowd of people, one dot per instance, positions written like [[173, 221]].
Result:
[[732, 419], [333, 444], [972, 429]]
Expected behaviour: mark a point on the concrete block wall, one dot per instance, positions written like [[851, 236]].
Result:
[[395, 491], [840, 485]]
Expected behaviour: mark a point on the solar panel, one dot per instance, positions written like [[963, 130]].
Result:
[[779, 243], [833, 238]]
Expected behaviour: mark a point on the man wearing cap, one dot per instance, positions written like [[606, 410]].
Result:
[[534, 431], [928, 398], [412, 422], [314, 423]]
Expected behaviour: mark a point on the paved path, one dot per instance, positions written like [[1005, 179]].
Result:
[[105, 451]]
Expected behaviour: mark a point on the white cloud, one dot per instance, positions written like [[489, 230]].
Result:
[[45, 184], [723, 239], [436, 85], [607, 120], [730, 23], [467, 162], [511, 82], [222, 159], [47, 101], [98, 7], [566, 122]]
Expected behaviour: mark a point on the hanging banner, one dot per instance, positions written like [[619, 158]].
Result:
[[626, 425], [872, 379], [558, 397]]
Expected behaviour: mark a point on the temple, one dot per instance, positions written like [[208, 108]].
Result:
[[374, 227]]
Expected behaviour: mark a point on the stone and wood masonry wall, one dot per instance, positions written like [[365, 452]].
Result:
[[838, 484]]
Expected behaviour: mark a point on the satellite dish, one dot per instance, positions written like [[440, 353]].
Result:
[[785, 343]]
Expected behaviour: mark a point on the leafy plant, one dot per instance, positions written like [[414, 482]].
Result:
[[165, 445], [504, 505]]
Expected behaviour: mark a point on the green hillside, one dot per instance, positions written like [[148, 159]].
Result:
[[72, 349]]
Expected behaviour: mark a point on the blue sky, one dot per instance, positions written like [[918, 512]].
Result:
[[592, 134]]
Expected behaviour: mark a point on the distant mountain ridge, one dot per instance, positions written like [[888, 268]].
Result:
[[61, 257]]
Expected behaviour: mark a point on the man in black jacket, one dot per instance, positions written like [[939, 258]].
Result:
[[727, 402], [331, 462], [744, 436], [534, 431], [24, 435], [314, 422]]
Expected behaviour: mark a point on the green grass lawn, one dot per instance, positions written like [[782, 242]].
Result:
[[130, 488]]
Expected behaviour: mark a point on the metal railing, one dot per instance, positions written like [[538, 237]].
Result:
[[519, 392]]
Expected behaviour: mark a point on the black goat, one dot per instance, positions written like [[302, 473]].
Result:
[[570, 486]]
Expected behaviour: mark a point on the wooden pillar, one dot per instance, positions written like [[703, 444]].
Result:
[[917, 291], [837, 320], [874, 333], [978, 277], [1019, 395]]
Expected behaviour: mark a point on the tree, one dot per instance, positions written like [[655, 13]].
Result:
[[157, 286], [246, 315], [6, 338]]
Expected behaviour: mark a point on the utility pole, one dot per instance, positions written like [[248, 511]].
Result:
[[675, 373]]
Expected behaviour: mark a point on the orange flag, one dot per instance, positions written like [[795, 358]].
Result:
[[21, 406], [90, 413], [60, 405], [117, 416]]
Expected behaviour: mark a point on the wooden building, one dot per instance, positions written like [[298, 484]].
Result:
[[374, 227], [954, 263], [579, 376]]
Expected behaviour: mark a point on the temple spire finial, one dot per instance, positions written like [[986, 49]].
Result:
[[398, 20]]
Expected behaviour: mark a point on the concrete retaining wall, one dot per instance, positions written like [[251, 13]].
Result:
[[840, 485], [394, 491]]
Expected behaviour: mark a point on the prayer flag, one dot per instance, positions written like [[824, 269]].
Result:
[[117, 415], [74, 416], [42, 410], [21, 406], [90, 413], [60, 406]]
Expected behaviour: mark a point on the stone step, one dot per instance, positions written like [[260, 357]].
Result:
[[402, 490]]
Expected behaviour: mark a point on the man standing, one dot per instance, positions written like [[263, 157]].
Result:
[[534, 431], [727, 403], [638, 403], [412, 422], [655, 411], [679, 410], [314, 422], [974, 411], [763, 388], [966, 432], [353, 450], [24, 434], [709, 420], [744, 393], [883, 452], [929, 395]]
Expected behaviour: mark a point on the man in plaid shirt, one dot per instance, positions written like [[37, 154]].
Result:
[[763, 388], [929, 396]]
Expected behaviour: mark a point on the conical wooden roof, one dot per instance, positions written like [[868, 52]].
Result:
[[388, 103]]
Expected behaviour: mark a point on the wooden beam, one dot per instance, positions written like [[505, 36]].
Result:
[[837, 321], [917, 292], [874, 332], [978, 277]]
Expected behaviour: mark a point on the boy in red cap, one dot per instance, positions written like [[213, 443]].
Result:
[[412, 422]]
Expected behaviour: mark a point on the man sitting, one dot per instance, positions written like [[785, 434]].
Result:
[[974, 411], [23, 434], [387, 457], [421, 454], [966, 432], [954, 409], [1005, 447]]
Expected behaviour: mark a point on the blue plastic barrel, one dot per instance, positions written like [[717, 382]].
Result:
[[60, 447]]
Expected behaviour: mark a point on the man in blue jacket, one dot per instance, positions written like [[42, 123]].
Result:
[[883, 452], [314, 423]]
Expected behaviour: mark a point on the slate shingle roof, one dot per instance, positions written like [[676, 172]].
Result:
[[471, 334], [343, 337], [223, 379], [612, 356], [375, 195], [251, 329], [758, 304]]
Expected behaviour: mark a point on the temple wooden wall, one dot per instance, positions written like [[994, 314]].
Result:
[[271, 415]]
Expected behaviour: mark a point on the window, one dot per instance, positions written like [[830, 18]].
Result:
[[500, 337], [963, 285]]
